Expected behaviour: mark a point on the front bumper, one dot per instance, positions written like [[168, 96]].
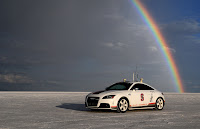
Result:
[[99, 103]]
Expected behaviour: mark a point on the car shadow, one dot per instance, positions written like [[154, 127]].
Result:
[[81, 107], [73, 106]]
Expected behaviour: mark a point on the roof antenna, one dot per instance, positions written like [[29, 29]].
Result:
[[136, 75]]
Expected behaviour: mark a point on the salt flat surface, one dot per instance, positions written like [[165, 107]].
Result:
[[61, 110]]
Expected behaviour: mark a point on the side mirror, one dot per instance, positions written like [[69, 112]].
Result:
[[136, 89]]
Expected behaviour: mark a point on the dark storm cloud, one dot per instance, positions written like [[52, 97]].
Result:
[[182, 28], [58, 27], [11, 78], [78, 45], [73, 42]]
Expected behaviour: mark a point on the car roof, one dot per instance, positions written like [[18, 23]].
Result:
[[133, 83], [129, 82]]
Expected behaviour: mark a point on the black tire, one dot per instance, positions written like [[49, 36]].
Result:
[[122, 105], [159, 103]]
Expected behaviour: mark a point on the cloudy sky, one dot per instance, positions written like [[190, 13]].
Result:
[[86, 45]]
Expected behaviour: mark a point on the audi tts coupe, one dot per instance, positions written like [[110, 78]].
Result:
[[123, 96]]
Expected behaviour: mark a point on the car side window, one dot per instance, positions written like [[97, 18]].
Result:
[[145, 87], [141, 87], [136, 86]]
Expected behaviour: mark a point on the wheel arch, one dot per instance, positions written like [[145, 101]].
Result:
[[125, 98], [118, 108], [162, 99], [156, 96]]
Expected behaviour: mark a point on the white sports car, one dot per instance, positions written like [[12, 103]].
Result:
[[123, 96]]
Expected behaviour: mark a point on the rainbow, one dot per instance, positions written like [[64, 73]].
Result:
[[160, 40]]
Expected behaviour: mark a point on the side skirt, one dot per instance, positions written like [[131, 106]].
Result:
[[151, 106]]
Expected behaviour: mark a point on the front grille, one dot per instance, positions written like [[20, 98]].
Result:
[[92, 101], [104, 105]]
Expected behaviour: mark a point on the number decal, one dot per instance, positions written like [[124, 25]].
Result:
[[142, 97]]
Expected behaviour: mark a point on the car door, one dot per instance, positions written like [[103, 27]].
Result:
[[142, 95], [138, 96]]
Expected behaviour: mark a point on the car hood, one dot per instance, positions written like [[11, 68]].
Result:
[[105, 92]]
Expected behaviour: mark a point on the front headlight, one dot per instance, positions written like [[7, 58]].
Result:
[[109, 97]]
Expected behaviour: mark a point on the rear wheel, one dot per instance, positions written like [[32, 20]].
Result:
[[122, 105], [159, 104]]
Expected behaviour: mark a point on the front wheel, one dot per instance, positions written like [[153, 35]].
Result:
[[122, 105], [159, 104]]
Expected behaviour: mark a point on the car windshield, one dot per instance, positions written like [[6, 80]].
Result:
[[119, 86]]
